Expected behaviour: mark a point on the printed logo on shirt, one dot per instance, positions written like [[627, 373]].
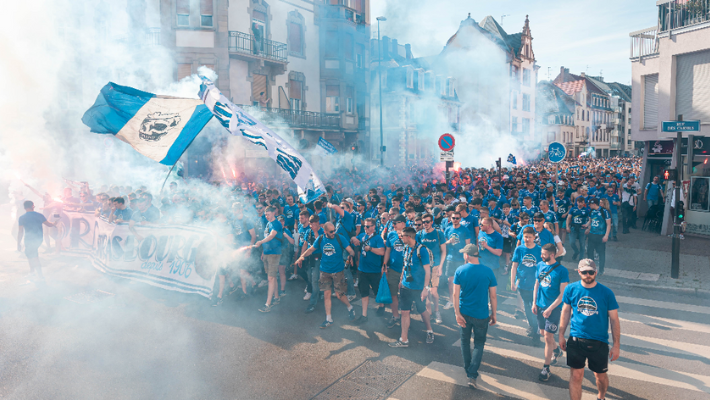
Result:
[[328, 249], [587, 306], [455, 237], [529, 260], [546, 281], [398, 246]]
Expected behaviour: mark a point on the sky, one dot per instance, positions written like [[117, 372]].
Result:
[[584, 36]]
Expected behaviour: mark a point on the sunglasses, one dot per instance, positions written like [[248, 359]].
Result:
[[427, 222], [588, 272], [417, 224], [538, 220], [455, 218]]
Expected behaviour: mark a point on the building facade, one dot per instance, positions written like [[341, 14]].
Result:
[[555, 120], [301, 66], [670, 66]]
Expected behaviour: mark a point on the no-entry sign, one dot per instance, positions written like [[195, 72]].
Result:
[[446, 142]]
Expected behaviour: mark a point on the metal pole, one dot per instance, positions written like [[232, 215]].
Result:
[[675, 251], [379, 75]]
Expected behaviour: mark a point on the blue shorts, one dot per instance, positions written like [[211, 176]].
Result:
[[550, 324]]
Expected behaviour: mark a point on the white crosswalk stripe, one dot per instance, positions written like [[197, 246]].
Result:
[[642, 342]]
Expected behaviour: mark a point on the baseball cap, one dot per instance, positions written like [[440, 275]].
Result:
[[550, 185], [587, 265], [400, 218], [594, 200], [470, 249]]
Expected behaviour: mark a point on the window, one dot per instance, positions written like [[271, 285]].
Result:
[[526, 77], [577, 113], [551, 119], [360, 56], [183, 12], [410, 78], [258, 28], [184, 70], [515, 125], [206, 13], [331, 44], [514, 99], [349, 104], [587, 115], [526, 102], [576, 132], [420, 79], [332, 99], [295, 92], [348, 47], [526, 125], [692, 80], [430, 80], [450, 86], [295, 38]]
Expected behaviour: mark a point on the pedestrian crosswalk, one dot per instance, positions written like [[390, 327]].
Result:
[[665, 353]]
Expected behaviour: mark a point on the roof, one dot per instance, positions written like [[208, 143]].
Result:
[[570, 88], [555, 100], [508, 42]]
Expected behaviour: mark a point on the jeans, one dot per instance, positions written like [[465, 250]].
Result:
[[597, 244], [653, 202], [627, 216], [315, 277], [350, 281], [577, 234], [527, 296], [472, 361], [614, 224], [305, 273]]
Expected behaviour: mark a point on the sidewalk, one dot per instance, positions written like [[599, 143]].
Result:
[[644, 259]]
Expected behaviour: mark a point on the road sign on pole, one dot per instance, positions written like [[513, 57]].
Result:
[[681, 126], [446, 142], [556, 152], [446, 156]]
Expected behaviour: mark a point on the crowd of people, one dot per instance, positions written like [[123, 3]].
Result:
[[416, 234]]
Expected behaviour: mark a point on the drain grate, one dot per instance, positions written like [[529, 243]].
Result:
[[89, 297], [370, 381]]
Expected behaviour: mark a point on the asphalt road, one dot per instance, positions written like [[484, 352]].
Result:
[[85, 336]]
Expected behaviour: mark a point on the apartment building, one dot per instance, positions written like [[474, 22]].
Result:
[[555, 120], [670, 66]]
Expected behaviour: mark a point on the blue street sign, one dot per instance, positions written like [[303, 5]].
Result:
[[681, 126], [556, 152]]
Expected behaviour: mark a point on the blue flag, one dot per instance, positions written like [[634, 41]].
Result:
[[159, 127], [326, 147], [511, 159]]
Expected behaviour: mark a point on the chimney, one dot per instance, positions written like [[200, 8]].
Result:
[[395, 48], [385, 48], [408, 50], [582, 74]]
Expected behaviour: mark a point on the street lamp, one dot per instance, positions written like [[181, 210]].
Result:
[[379, 75]]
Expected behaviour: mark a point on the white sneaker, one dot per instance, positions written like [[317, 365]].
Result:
[[305, 289], [449, 305], [352, 297], [307, 296], [438, 319], [293, 277], [263, 283], [357, 280]]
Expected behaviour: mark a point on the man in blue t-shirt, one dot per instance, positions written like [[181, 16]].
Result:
[[474, 287], [332, 264], [591, 306], [542, 235], [272, 244], [393, 263], [312, 261], [577, 222], [522, 277], [290, 212], [551, 279], [614, 203], [598, 232], [435, 241], [457, 236], [414, 287], [370, 266], [653, 193], [30, 228], [490, 244]]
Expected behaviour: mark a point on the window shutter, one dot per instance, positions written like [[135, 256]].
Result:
[[295, 89], [294, 37], [650, 102], [258, 85], [332, 91], [693, 86], [183, 6], [205, 7], [184, 70]]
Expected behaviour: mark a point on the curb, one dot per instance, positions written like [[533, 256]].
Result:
[[659, 287]]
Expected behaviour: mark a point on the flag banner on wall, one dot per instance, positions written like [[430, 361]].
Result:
[[240, 123], [159, 127]]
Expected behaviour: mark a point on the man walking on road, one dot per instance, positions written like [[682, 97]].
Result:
[[551, 280], [30, 226], [588, 308], [474, 286]]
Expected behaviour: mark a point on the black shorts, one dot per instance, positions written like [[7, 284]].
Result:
[[408, 296], [369, 280], [452, 266], [581, 350], [549, 324], [508, 245]]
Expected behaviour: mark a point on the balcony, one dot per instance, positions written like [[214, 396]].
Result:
[[345, 9], [243, 44], [644, 43], [295, 118], [152, 36], [681, 13]]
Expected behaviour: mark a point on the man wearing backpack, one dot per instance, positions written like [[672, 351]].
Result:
[[373, 249], [332, 265], [416, 276], [272, 247]]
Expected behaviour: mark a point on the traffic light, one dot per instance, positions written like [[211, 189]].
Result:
[[354, 148], [498, 165], [670, 174]]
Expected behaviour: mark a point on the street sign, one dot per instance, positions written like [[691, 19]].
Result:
[[447, 156], [446, 142], [681, 126], [556, 152]]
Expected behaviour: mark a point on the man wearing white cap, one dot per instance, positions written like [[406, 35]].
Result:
[[591, 307]]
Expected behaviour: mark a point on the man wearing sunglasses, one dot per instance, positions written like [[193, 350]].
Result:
[[588, 309], [542, 235], [372, 250], [435, 241], [332, 266], [393, 263], [457, 236]]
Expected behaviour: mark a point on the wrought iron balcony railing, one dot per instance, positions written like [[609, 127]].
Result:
[[296, 118], [240, 42]]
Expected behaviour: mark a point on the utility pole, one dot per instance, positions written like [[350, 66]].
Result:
[[675, 250], [379, 75]]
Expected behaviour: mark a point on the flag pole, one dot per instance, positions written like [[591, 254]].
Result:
[[166, 179]]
